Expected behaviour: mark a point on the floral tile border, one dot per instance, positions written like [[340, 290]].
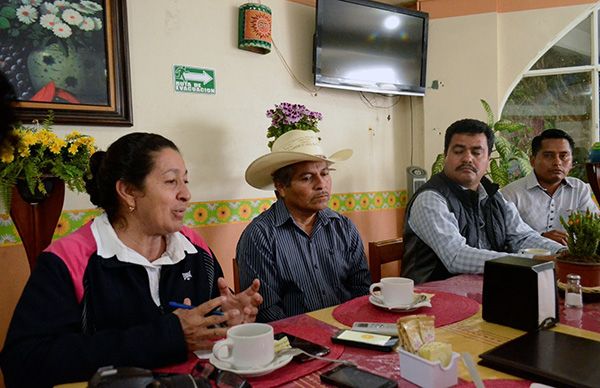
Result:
[[221, 212]]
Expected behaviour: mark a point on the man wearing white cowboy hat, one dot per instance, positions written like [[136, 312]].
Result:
[[306, 256]]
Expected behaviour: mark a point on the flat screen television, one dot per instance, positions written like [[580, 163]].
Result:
[[368, 46]]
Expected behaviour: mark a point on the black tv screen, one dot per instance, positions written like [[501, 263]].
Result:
[[368, 46]]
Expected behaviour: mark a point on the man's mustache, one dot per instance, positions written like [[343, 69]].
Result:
[[467, 166]]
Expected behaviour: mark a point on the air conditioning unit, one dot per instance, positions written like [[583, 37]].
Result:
[[415, 178]]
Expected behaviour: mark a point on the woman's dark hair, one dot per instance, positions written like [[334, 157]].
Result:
[[130, 158]]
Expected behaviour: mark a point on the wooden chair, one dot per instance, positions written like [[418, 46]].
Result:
[[593, 175], [382, 252], [236, 276]]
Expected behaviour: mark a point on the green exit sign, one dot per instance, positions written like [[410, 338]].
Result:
[[194, 80]]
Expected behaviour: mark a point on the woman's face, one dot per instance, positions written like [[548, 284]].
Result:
[[165, 197]]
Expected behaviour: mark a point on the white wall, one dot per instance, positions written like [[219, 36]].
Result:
[[221, 134], [463, 56]]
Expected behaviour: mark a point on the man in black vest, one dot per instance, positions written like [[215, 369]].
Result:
[[458, 219]]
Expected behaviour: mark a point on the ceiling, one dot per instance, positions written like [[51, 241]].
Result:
[[401, 3]]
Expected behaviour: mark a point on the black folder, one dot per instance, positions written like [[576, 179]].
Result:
[[548, 357]]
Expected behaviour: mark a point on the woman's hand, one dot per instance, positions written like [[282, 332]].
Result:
[[200, 330], [246, 302]]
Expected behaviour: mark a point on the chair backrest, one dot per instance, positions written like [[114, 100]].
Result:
[[382, 252], [593, 175], [236, 276]]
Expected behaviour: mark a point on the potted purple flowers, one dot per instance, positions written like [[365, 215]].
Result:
[[286, 117]]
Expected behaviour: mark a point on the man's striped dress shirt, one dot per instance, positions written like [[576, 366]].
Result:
[[301, 273]]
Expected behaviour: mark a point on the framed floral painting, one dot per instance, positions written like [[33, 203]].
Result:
[[70, 57]]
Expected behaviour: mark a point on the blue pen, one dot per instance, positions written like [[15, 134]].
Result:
[[188, 307], [181, 305]]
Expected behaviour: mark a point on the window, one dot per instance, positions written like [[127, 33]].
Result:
[[561, 91]]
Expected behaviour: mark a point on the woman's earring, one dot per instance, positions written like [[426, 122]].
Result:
[[131, 209]]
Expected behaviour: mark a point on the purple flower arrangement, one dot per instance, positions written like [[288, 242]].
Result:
[[286, 117]]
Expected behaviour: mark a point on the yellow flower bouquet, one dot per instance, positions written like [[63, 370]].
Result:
[[30, 154]]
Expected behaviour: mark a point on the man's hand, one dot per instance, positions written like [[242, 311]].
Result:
[[556, 235]]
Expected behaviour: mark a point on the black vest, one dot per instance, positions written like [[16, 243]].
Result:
[[420, 262]]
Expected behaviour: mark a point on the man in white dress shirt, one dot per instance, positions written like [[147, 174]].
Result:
[[547, 193]]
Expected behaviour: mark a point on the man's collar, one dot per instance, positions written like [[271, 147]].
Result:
[[532, 181], [282, 214], [490, 187]]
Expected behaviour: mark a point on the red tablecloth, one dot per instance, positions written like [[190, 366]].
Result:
[[301, 326], [388, 365], [471, 286], [308, 328], [447, 308]]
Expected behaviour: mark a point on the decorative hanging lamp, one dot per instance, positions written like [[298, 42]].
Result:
[[255, 28]]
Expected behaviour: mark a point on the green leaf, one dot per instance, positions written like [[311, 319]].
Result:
[[438, 165], [499, 173], [49, 120], [8, 12], [524, 166], [489, 112], [509, 126], [4, 23], [503, 146]]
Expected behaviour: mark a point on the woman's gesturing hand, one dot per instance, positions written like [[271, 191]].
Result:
[[246, 302], [200, 330]]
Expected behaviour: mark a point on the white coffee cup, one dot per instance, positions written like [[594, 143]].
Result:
[[535, 252], [395, 291], [250, 345]]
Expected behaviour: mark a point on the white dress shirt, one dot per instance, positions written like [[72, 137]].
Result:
[[540, 210]]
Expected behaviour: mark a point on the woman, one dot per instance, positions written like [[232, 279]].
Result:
[[100, 296]]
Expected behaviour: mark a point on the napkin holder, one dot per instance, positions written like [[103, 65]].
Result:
[[428, 374], [519, 293]]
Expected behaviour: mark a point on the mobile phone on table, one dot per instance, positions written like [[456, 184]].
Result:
[[303, 344], [352, 377], [383, 343]]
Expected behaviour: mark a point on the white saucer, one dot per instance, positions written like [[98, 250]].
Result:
[[378, 301], [203, 354], [278, 362]]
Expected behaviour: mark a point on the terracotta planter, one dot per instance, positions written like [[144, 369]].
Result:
[[35, 218], [589, 272]]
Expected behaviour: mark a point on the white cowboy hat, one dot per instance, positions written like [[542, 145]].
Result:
[[292, 147]]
